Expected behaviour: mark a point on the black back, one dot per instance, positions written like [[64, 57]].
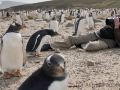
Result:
[[35, 39], [39, 80]]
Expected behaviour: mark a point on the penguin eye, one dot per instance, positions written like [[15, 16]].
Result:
[[49, 64]]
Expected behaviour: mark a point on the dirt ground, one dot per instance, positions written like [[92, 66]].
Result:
[[104, 75]]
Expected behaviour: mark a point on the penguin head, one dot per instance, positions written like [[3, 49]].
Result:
[[90, 15], [54, 65], [78, 16], [52, 32], [54, 18], [15, 27]]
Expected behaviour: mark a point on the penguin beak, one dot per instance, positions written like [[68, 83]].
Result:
[[59, 34], [60, 69], [22, 26]]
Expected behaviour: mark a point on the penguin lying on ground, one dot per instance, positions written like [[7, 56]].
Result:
[[13, 55], [38, 39], [51, 76]]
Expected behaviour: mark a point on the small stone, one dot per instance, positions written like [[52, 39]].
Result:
[[81, 50], [57, 50], [90, 63], [37, 61]]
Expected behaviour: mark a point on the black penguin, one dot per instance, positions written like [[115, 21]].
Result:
[[38, 39], [51, 76]]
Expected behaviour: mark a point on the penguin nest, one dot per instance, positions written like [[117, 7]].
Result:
[[70, 17]]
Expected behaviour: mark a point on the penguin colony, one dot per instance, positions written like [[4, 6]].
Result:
[[52, 73]]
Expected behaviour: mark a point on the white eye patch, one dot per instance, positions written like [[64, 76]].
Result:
[[48, 58], [13, 24]]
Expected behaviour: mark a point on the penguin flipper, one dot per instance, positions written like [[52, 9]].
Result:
[[1, 50], [24, 54]]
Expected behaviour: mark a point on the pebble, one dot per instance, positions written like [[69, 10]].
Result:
[[90, 63], [57, 50]]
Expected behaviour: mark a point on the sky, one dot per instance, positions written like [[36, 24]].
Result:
[[26, 1]]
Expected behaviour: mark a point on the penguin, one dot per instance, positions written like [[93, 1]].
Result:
[[47, 16], [40, 15], [13, 55], [51, 76], [38, 39], [7, 14], [0, 14], [52, 14], [18, 19], [75, 26], [62, 18], [104, 13], [79, 25], [54, 24], [91, 22]]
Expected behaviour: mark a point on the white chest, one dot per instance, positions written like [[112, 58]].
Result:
[[59, 85]]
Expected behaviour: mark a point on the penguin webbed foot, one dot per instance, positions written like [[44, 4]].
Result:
[[39, 55], [7, 75], [18, 74]]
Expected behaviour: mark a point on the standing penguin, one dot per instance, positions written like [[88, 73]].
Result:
[[91, 22], [79, 26], [18, 19], [51, 76], [75, 26], [47, 16], [13, 56], [54, 24], [62, 18], [38, 39]]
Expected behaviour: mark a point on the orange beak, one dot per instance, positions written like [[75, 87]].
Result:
[[22, 26], [59, 34], [59, 69]]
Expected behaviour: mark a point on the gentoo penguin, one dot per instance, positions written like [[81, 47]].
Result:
[[54, 24], [75, 26], [38, 39], [62, 17], [51, 76], [7, 14], [47, 16], [104, 13], [79, 26], [13, 56], [113, 12], [18, 19], [91, 22]]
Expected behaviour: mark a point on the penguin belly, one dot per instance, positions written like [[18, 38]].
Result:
[[59, 85], [91, 23], [43, 41], [62, 18], [80, 27], [54, 25], [11, 53]]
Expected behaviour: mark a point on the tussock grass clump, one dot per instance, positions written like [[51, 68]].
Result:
[[30, 17], [70, 17]]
